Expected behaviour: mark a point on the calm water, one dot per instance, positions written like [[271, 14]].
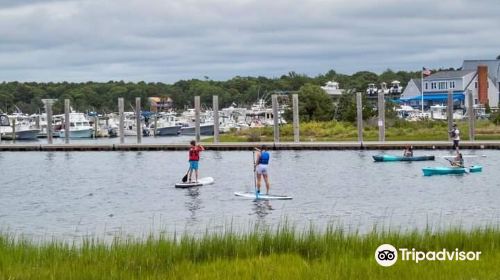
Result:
[[74, 194]]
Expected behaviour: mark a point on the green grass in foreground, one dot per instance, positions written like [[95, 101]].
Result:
[[343, 131], [282, 254]]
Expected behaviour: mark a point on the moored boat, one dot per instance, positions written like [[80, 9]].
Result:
[[444, 170], [401, 158]]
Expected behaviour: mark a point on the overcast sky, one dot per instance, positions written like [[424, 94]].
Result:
[[169, 40]]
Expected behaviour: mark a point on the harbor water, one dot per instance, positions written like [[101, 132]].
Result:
[[69, 195]]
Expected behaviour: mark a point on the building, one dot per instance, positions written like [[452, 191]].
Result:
[[436, 87]]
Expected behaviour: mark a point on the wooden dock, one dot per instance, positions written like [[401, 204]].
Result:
[[372, 145]]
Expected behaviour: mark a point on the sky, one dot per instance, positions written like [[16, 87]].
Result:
[[170, 40]]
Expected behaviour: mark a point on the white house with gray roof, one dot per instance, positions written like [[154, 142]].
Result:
[[436, 88], [493, 68]]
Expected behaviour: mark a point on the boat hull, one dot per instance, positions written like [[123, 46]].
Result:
[[83, 133], [380, 158], [169, 131], [30, 134], [204, 130], [429, 171]]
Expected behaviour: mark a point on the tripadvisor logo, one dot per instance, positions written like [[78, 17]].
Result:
[[387, 255]]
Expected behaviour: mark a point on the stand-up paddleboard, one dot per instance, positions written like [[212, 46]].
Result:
[[251, 195], [201, 182]]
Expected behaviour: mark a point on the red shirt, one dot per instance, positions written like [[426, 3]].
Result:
[[194, 153]]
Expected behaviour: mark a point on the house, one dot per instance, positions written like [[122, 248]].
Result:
[[332, 88], [437, 85]]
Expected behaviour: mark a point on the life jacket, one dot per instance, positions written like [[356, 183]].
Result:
[[194, 154], [264, 158]]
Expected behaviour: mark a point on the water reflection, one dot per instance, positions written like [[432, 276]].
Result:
[[68, 155], [262, 208], [194, 203], [49, 156]]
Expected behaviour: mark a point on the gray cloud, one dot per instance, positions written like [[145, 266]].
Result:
[[157, 40]]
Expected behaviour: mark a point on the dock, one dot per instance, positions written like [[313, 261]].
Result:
[[245, 146]]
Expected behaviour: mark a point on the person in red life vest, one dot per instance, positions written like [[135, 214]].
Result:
[[261, 167], [194, 158]]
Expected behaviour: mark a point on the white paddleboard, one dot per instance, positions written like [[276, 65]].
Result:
[[261, 196], [201, 182]]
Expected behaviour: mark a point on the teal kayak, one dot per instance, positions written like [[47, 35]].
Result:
[[401, 158], [428, 171]]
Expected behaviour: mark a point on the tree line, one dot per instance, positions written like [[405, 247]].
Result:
[[243, 91]]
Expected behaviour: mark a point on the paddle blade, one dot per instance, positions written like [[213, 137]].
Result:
[[185, 178]]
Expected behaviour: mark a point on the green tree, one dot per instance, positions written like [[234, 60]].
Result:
[[346, 109], [314, 104]]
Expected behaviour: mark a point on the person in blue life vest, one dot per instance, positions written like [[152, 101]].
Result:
[[261, 167], [194, 158]]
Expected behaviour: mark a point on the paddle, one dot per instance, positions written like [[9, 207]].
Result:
[[185, 178], [254, 175], [451, 162]]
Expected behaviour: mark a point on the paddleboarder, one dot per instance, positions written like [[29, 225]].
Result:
[[455, 136], [194, 158], [261, 167]]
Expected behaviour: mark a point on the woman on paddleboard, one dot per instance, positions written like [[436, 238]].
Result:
[[260, 167], [194, 158]]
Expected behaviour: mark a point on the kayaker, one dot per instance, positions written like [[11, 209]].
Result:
[[408, 151], [194, 158], [458, 161], [455, 136], [260, 167]]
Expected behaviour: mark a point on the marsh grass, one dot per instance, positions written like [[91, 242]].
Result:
[[396, 130], [282, 253]]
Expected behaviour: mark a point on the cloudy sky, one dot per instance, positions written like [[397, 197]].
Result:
[[169, 40]]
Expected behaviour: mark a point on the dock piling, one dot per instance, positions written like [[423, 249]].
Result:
[[274, 99], [66, 121], [472, 115], [122, 120], [215, 101], [14, 130], [296, 127], [359, 116], [197, 118], [381, 116], [48, 110], [449, 112], [138, 119]]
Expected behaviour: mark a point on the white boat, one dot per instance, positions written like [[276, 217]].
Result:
[[79, 126], [259, 115], [332, 88], [396, 87], [439, 112], [25, 130], [187, 121], [167, 124], [372, 89]]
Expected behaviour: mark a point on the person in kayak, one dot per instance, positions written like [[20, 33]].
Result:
[[455, 136], [261, 167], [458, 161], [194, 158], [408, 151]]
